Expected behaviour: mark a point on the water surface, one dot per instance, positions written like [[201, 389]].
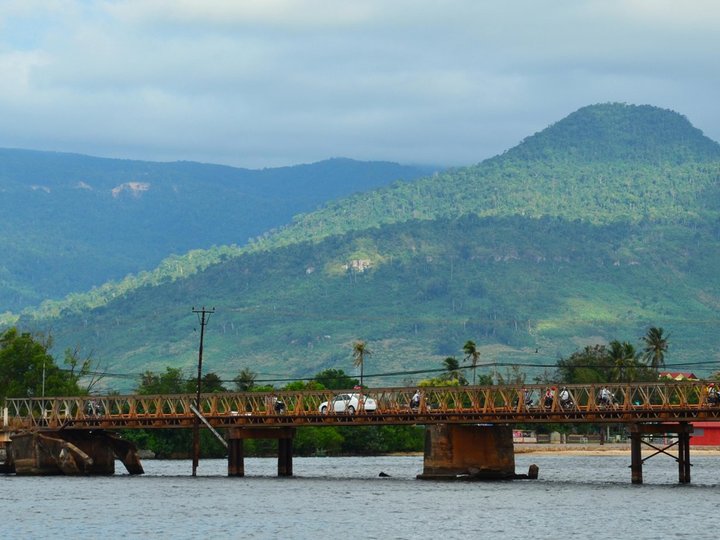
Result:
[[575, 496]]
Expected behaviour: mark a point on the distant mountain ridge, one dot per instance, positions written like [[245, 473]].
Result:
[[561, 242], [70, 222]]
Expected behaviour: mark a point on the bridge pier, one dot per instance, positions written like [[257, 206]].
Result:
[[683, 431], [236, 457], [482, 452], [236, 448], [71, 452]]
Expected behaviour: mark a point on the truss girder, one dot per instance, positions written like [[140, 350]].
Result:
[[631, 403]]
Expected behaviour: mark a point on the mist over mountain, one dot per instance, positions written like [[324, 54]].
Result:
[[594, 229], [71, 222]]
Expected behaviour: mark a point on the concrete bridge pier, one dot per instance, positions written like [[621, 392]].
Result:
[[481, 452], [236, 448], [70, 452]]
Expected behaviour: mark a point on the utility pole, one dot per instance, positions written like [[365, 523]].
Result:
[[203, 317], [43, 391]]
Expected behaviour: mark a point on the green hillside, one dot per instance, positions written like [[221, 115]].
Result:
[[71, 222], [569, 239], [601, 164]]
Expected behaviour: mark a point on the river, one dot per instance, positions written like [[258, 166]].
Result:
[[333, 498]]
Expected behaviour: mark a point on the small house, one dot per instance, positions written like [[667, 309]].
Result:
[[677, 376], [705, 434]]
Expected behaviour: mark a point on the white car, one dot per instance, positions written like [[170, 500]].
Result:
[[349, 403]]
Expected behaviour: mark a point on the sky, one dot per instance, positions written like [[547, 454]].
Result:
[[269, 83]]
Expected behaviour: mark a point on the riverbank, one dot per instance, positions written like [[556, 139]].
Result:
[[607, 449]]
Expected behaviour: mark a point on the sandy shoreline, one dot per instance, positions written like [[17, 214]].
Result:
[[609, 449], [590, 449]]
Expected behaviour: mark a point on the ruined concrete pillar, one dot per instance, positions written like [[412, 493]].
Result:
[[468, 451], [76, 452]]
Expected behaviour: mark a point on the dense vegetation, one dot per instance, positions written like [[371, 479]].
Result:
[[27, 369], [70, 222], [514, 285], [594, 230]]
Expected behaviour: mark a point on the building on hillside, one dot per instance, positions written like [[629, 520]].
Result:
[[677, 376]]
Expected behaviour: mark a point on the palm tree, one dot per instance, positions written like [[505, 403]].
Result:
[[656, 345], [452, 370], [473, 354], [360, 351], [623, 356], [245, 380]]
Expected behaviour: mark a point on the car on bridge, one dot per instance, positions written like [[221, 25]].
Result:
[[349, 403]]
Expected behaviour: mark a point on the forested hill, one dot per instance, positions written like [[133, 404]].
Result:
[[530, 254], [70, 222], [602, 164], [619, 132]]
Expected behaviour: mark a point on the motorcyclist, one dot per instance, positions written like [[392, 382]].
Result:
[[527, 397], [565, 398], [712, 394], [415, 400], [549, 397], [605, 397], [279, 406]]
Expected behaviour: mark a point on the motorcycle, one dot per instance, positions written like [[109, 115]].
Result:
[[528, 401], [567, 403]]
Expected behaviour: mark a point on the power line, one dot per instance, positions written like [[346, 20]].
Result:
[[268, 378]]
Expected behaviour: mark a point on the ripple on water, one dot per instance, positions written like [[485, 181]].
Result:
[[575, 495]]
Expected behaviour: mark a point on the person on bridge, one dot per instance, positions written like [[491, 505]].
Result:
[[415, 400], [712, 394], [549, 397], [565, 398], [527, 396], [605, 397]]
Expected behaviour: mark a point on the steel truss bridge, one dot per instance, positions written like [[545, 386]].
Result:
[[635, 403]]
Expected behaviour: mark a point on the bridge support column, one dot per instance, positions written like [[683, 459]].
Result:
[[454, 451], [684, 457], [236, 450], [285, 455], [683, 431], [236, 457], [71, 452], [636, 461]]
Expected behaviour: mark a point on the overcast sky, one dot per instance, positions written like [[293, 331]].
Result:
[[264, 83]]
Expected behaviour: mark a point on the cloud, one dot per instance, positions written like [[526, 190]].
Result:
[[274, 82]]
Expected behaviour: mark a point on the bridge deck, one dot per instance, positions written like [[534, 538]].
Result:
[[632, 403]]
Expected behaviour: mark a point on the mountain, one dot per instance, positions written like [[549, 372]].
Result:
[[567, 240], [562, 172], [71, 222]]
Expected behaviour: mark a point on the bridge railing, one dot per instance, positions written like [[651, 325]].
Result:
[[508, 403]]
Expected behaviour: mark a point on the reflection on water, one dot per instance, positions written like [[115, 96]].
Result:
[[579, 496]]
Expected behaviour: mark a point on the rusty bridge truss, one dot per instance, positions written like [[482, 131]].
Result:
[[630, 403]]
